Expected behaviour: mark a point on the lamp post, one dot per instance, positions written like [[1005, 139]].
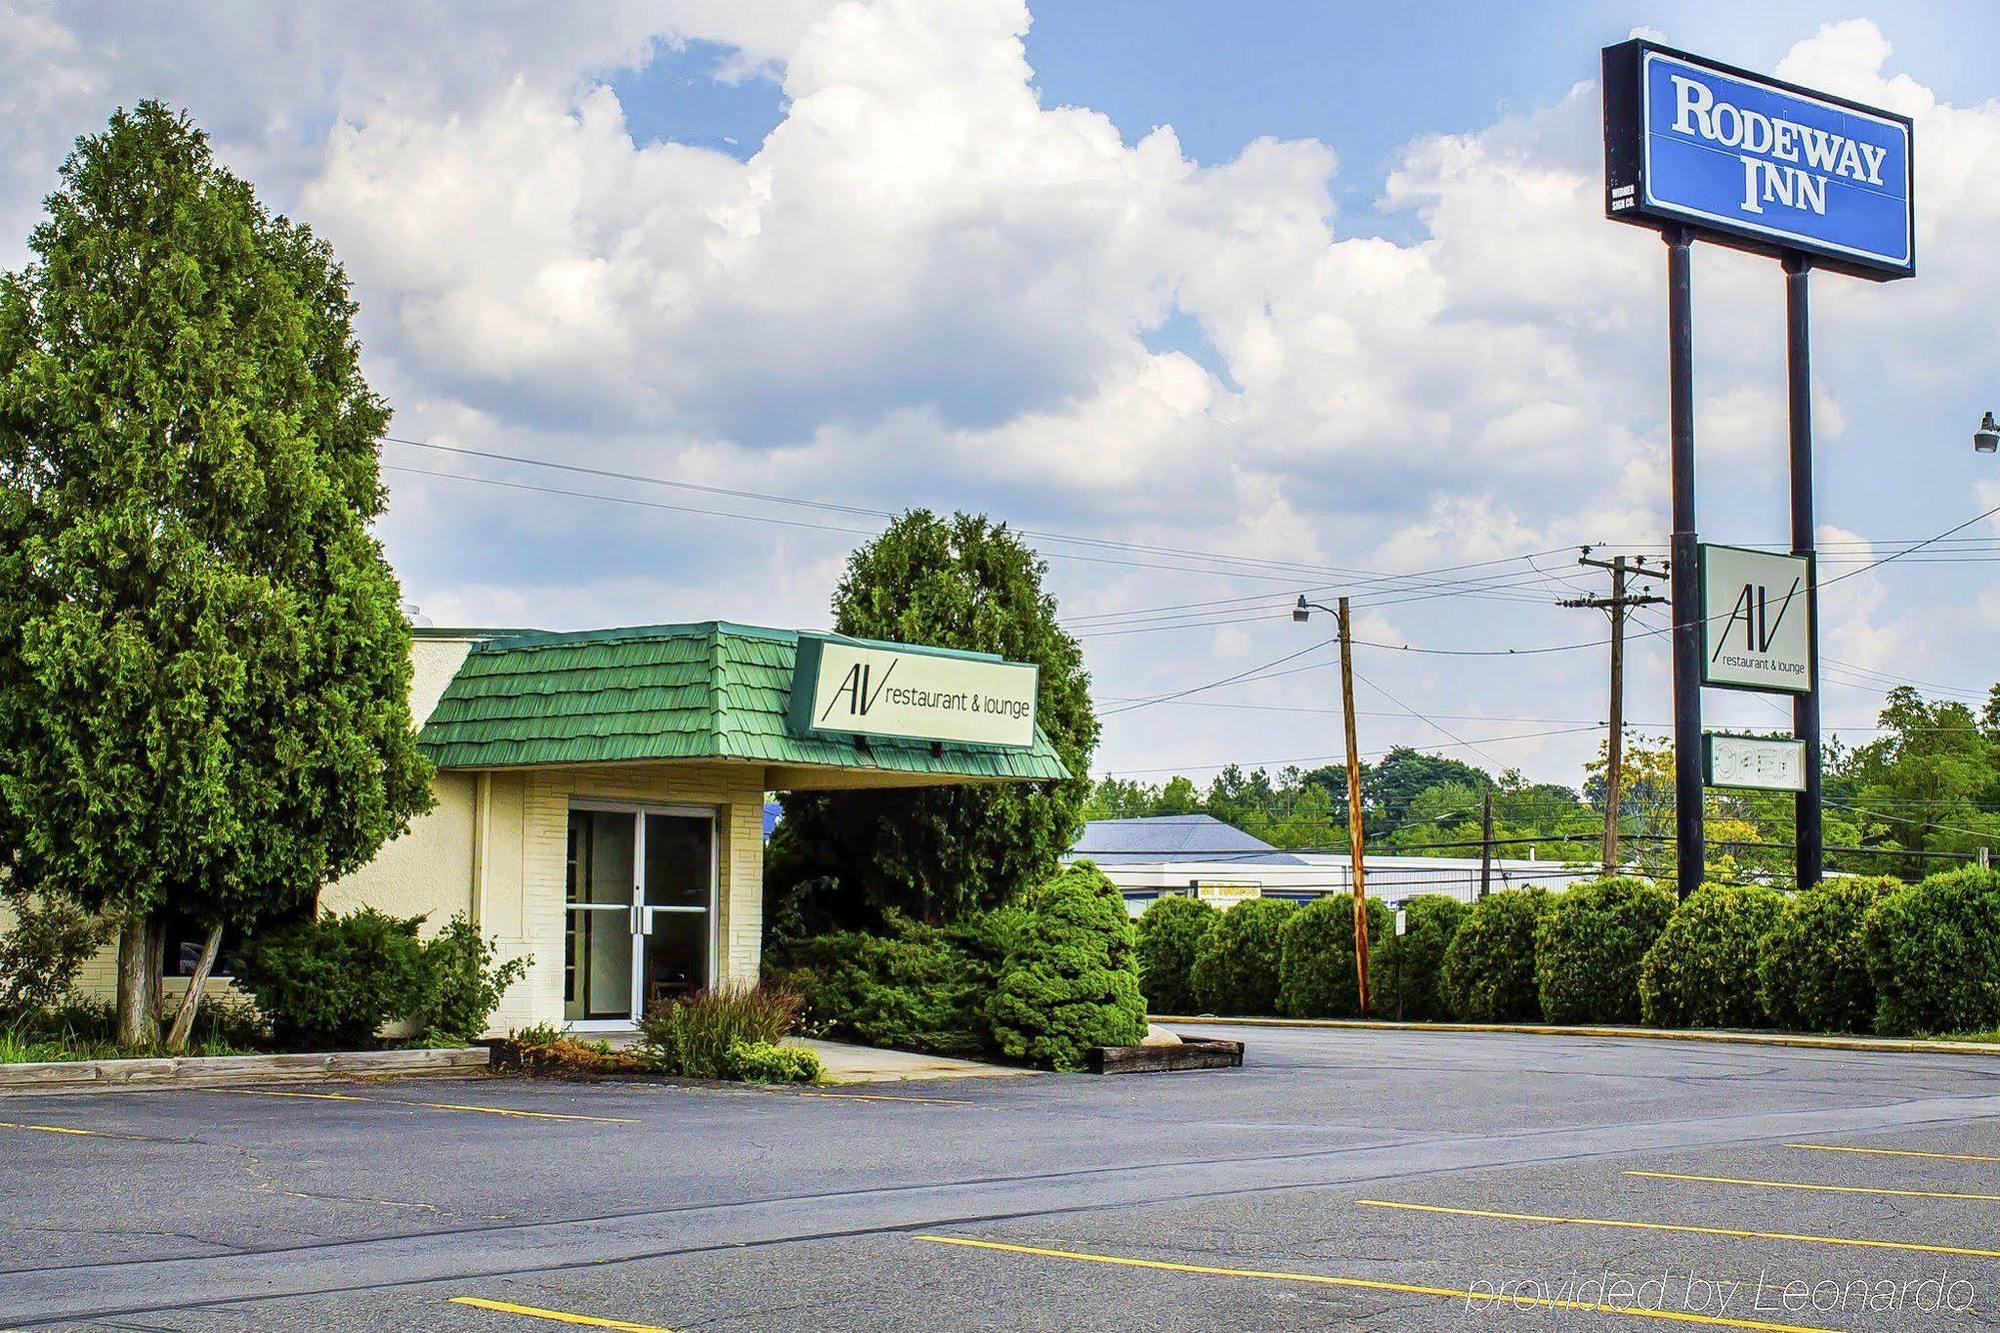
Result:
[[1301, 612], [1987, 438]]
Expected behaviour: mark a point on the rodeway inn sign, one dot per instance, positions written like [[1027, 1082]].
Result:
[[845, 687], [1773, 166]]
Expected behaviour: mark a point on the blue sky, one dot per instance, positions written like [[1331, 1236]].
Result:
[[1322, 291]]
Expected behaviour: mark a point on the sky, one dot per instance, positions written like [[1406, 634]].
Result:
[[1218, 304]]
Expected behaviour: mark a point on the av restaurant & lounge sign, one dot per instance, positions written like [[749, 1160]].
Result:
[[845, 687], [1756, 163], [1756, 620]]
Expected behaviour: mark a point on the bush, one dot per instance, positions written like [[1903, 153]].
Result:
[[1169, 931], [1934, 954], [462, 985], [333, 981], [1236, 963], [917, 988], [1702, 971], [761, 1062], [694, 1034], [51, 939], [1316, 957], [1488, 973], [1812, 967], [1408, 971], [1589, 946], [1069, 976]]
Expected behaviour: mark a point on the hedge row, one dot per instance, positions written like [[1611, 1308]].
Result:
[[1849, 955]]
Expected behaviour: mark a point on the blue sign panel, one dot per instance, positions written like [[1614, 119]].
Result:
[[1756, 162]]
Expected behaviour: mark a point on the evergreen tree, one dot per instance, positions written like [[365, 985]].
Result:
[[204, 665]]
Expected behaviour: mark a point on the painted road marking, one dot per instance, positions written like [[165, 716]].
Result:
[[558, 1316], [881, 1097], [65, 1129], [1371, 1284], [1896, 1152], [1829, 1189], [434, 1106], [1684, 1229]]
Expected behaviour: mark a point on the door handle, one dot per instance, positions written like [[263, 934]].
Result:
[[638, 919]]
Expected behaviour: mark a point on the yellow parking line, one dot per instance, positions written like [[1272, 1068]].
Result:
[[61, 1129], [881, 1097], [1682, 1228], [1370, 1284], [1829, 1189], [1896, 1152], [439, 1106], [558, 1316]]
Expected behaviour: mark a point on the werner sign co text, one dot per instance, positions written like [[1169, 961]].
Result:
[[1757, 163]]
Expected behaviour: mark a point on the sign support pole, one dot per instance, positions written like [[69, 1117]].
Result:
[[1688, 852], [1355, 851], [1805, 707]]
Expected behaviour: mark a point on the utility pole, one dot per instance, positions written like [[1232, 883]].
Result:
[[1486, 846], [1616, 605], [1354, 839]]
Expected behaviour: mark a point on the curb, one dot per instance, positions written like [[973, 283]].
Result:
[[1807, 1041], [207, 1071]]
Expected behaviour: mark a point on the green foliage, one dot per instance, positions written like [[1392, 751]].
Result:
[[1412, 961], [1812, 966], [1702, 971], [914, 988], [204, 664], [1488, 974], [1236, 964], [939, 853], [463, 984], [1589, 945], [1934, 954], [695, 1036], [1169, 931], [1316, 976], [51, 939], [761, 1062], [1069, 977], [84, 1030], [333, 980]]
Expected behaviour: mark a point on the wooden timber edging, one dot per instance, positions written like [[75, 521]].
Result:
[[1192, 1053], [198, 1071]]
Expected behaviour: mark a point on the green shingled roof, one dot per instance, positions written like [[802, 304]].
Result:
[[709, 691]]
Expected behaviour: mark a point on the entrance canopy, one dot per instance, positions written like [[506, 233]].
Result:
[[706, 693]]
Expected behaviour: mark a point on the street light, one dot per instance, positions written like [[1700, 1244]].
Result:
[[1301, 612], [1986, 440]]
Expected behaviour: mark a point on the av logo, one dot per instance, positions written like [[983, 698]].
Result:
[[854, 687], [1756, 625]]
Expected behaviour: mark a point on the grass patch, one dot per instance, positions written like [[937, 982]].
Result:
[[83, 1031]]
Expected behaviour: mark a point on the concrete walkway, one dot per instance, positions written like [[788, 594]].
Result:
[[871, 1064]]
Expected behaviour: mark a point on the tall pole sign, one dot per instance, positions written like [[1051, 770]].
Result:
[[1700, 150]]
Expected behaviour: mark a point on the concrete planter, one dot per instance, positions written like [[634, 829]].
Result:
[[221, 1070]]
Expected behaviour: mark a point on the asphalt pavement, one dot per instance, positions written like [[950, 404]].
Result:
[[1371, 1179]]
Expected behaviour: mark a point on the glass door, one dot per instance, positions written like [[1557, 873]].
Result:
[[677, 900], [639, 913], [598, 916]]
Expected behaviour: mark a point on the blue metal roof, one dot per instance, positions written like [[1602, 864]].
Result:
[[1174, 838]]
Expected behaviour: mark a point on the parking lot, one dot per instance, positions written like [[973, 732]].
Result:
[[1374, 1179]]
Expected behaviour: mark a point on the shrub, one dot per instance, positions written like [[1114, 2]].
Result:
[[334, 980], [692, 1034], [1589, 945], [51, 939], [1488, 973], [1169, 932], [1236, 963], [1069, 975], [761, 1062], [1702, 971], [917, 988], [1316, 957], [1812, 967], [1407, 974], [462, 985], [1934, 954]]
